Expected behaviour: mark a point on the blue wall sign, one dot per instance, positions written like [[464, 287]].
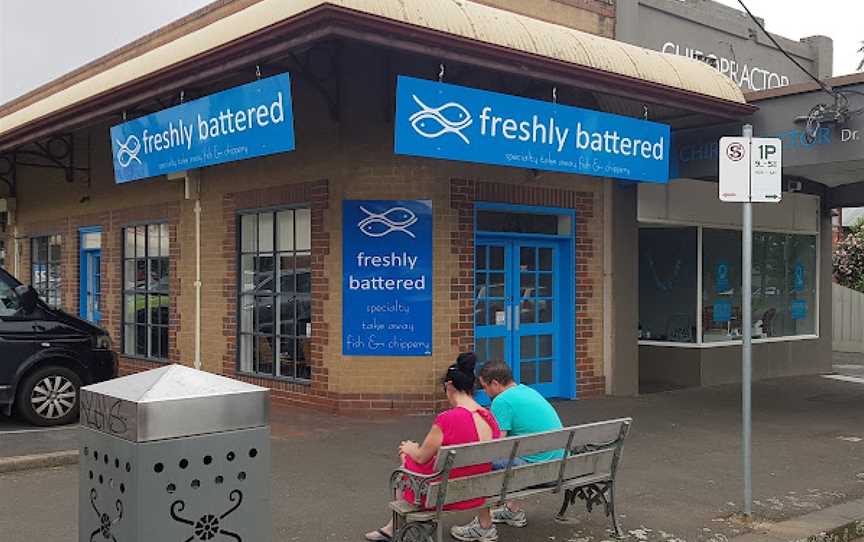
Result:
[[799, 309], [799, 277], [387, 278], [438, 120], [722, 311], [235, 124], [721, 278]]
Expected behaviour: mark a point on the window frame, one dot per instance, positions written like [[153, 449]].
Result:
[[147, 292], [48, 263], [239, 254], [700, 343]]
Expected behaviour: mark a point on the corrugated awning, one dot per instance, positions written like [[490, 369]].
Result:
[[461, 19]]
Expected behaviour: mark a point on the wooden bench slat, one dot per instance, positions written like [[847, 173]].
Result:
[[480, 452], [591, 464], [411, 513]]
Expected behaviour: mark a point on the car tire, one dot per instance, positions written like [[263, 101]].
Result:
[[49, 396]]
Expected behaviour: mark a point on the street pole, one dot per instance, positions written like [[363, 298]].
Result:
[[747, 346]]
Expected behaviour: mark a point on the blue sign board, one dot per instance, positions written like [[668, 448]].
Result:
[[387, 278], [722, 311], [799, 277], [438, 120], [721, 278], [799, 309], [235, 124]]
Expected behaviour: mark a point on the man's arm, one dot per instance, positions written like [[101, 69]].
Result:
[[503, 415]]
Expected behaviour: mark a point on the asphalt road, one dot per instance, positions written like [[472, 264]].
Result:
[[20, 438], [680, 477]]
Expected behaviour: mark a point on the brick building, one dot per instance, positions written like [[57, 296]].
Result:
[[183, 258]]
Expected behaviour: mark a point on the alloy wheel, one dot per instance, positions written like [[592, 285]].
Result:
[[53, 397]]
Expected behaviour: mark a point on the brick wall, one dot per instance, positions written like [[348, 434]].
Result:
[[316, 196], [345, 384], [334, 161], [112, 223]]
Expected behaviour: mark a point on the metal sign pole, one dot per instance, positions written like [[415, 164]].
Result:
[[747, 347]]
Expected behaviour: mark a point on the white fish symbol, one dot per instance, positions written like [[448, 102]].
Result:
[[425, 120], [128, 151], [393, 219]]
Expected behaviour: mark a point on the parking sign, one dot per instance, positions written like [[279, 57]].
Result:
[[751, 169], [766, 154], [734, 169]]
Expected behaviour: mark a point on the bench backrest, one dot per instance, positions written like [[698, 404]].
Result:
[[599, 434], [593, 453]]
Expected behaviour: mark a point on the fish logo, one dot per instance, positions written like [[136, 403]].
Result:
[[391, 220], [128, 152], [434, 122]]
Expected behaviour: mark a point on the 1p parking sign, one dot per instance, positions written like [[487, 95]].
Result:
[[766, 156], [751, 169]]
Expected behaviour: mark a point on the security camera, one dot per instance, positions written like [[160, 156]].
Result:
[[795, 186]]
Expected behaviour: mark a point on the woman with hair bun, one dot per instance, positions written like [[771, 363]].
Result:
[[464, 423]]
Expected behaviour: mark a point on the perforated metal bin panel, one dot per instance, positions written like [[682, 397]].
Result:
[[208, 487]]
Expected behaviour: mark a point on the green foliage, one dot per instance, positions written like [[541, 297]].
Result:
[[849, 258]]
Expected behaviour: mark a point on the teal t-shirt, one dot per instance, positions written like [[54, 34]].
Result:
[[521, 410]]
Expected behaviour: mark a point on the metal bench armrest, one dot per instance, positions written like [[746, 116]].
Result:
[[402, 479]]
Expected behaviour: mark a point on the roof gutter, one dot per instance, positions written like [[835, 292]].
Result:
[[327, 21]]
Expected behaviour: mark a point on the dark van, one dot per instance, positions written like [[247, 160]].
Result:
[[46, 356]]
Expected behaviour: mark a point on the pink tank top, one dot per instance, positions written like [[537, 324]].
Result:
[[457, 425]]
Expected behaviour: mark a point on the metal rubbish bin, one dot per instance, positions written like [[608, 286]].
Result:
[[174, 454]]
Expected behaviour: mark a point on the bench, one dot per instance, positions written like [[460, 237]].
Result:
[[587, 472]]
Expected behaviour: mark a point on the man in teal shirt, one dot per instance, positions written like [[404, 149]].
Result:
[[519, 410]]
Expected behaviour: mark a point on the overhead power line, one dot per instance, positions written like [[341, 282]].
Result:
[[836, 113], [819, 82]]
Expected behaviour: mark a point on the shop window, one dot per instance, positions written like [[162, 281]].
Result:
[[512, 222], [721, 285], [668, 284], [784, 285], [275, 293], [146, 292], [46, 270]]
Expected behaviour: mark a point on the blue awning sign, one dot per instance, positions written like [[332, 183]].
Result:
[[439, 120], [243, 122]]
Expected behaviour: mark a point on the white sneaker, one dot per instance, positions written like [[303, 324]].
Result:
[[509, 517], [473, 532]]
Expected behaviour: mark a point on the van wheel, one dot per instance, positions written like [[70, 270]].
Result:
[[49, 396]]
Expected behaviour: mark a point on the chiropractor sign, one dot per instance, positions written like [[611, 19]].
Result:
[[239, 123], [438, 120]]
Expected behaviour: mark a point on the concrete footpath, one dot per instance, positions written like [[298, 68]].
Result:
[[679, 480]]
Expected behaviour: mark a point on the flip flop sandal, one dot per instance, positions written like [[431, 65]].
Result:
[[383, 537]]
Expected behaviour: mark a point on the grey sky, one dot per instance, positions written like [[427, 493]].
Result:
[[840, 20], [43, 39]]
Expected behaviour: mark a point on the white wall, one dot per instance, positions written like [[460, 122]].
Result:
[[697, 202], [848, 307]]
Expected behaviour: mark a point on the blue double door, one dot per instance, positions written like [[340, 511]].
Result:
[[522, 309]]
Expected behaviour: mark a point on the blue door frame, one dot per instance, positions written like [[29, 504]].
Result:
[[524, 307], [90, 277]]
